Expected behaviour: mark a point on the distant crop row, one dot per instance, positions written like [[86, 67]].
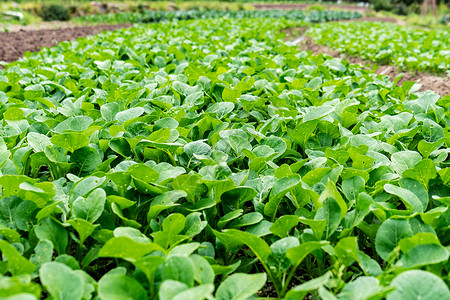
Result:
[[208, 159], [385, 43], [159, 16]]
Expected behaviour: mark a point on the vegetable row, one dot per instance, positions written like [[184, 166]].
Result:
[[160, 16], [209, 159], [387, 43]]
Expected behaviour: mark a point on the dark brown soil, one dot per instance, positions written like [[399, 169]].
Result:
[[431, 82], [14, 44]]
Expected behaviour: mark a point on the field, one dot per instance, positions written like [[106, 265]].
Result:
[[205, 156]]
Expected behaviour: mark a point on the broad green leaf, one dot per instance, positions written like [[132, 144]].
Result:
[[283, 225], [347, 250], [421, 255], [117, 287], [362, 288], [389, 235], [51, 230], [179, 268], [61, 281], [423, 172], [409, 199], [163, 202], [418, 284], [16, 263], [91, 207], [126, 248], [297, 254], [404, 160], [279, 190], [331, 191], [70, 141], [240, 286], [256, 244], [236, 198]]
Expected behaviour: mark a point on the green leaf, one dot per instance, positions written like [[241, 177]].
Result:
[[78, 123], [70, 141], [404, 160], [51, 230], [236, 198], [240, 286], [179, 268], [283, 225], [281, 187], [331, 191], [331, 213], [303, 132], [423, 172], [85, 160], [347, 250], [300, 291], [126, 248], [17, 264], [408, 198], [83, 227], [389, 235], [61, 281], [318, 113], [91, 207], [422, 255], [163, 202], [297, 254], [256, 244], [418, 284], [362, 288], [118, 287]]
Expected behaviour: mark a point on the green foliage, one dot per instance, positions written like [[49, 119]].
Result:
[[211, 159], [387, 43], [314, 16], [54, 12]]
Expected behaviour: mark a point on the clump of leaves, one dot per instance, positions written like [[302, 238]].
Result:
[[209, 159]]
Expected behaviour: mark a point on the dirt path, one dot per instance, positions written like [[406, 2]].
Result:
[[438, 84], [14, 44]]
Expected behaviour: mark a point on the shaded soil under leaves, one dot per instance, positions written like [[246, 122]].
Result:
[[14, 44]]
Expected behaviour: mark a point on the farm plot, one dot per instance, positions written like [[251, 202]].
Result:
[[385, 43], [159, 16], [208, 159]]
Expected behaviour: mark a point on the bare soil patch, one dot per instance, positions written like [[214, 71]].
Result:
[[438, 84], [14, 44]]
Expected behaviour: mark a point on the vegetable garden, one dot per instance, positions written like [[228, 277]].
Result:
[[211, 159]]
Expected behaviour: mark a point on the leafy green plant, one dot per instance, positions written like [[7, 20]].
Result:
[[208, 159], [55, 12], [407, 48]]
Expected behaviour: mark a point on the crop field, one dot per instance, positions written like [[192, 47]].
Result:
[[212, 159], [159, 16], [407, 48]]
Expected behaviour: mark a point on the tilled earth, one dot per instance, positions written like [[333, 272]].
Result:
[[14, 44]]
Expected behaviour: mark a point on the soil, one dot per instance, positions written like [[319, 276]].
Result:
[[14, 44]]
